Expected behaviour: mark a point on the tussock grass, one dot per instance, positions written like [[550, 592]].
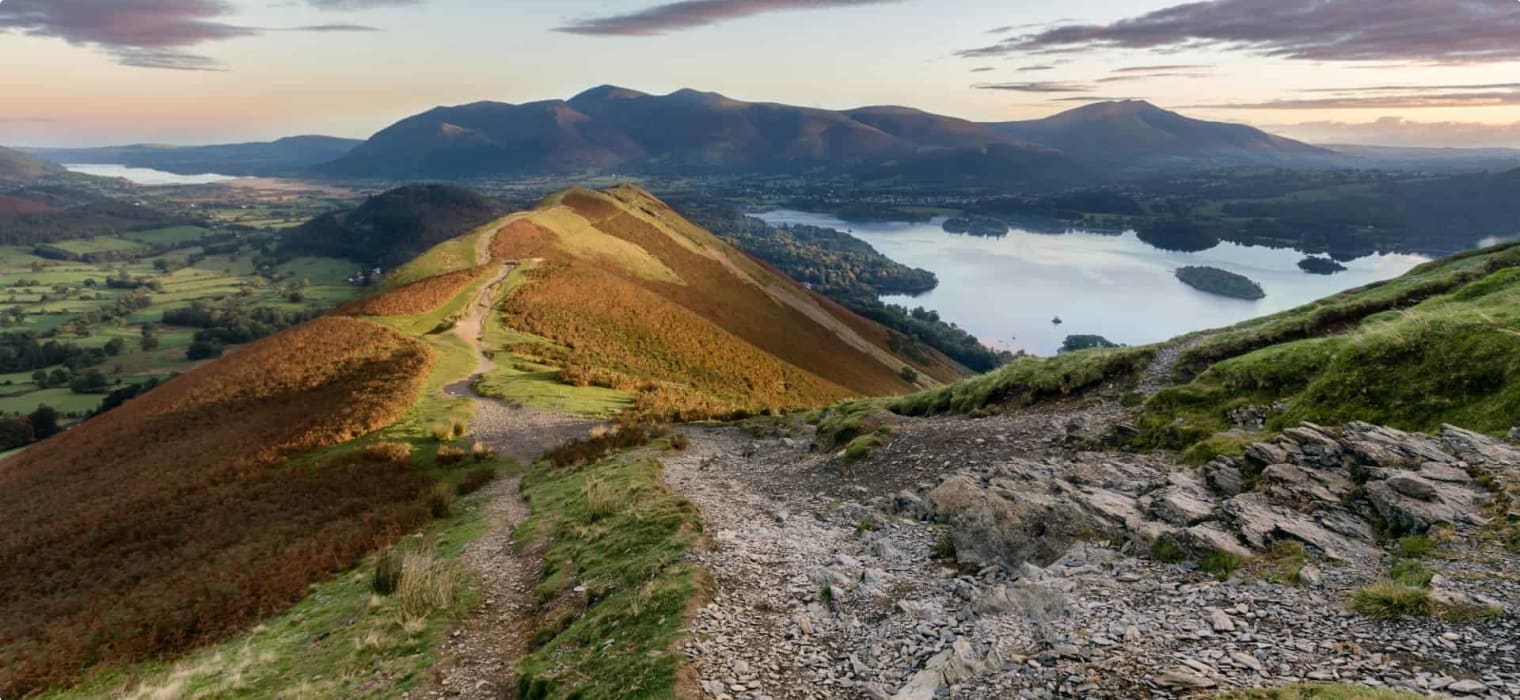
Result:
[[616, 640], [1439, 345], [1029, 380], [1391, 599]]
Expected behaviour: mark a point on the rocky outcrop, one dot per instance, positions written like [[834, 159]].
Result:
[[1331, 489]]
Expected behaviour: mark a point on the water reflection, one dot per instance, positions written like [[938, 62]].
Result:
[[1006, 290]]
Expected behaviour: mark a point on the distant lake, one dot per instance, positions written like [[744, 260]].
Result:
[[147, 176], [1007, 290]]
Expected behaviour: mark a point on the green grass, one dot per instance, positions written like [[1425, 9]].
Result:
[[341, 641], [1391, 599], [173, 235], [522, 379], [616, 530], [211, 279], [1221, 565], [1028, 380], [1452, 357], [1321, 692]]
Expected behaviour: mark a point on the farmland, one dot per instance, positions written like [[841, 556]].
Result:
[[107, 297]]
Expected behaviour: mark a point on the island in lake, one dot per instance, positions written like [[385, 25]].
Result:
[[1316, 265], [1221, 282], [976, 226]]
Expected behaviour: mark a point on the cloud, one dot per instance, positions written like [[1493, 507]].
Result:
[[1122, 76], [139, 33], [1419, 31], [1090, 98], [676, 16], [1397, 131], [1163, 69], [1026, 69], [1392, 97], [1041, 86], [359, 4], [983, 69]]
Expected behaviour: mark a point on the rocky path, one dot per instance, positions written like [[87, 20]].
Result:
[[833, 579], [481, 655]]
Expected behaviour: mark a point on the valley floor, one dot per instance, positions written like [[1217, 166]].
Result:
[[834, 580]]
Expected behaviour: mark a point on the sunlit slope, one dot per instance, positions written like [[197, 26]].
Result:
[[632, 296], [178, 518]]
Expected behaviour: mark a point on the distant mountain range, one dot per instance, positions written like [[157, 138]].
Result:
[[19, 168], [1138, 134], [689, 132], [611, 129], [286, 155]]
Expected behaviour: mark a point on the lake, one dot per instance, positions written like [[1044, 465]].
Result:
[[146, 176], [1007, 290]]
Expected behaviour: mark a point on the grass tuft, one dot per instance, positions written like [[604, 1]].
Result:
[[1391, 600]]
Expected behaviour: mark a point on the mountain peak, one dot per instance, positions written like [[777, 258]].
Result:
[[606, 93]]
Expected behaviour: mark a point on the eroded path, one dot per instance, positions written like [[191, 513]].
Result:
[[482, 654]]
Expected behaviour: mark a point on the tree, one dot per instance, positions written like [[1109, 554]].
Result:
[[91, 382], [44, 422], [115, 346], [203, 350], [149, 338], [40, 378]]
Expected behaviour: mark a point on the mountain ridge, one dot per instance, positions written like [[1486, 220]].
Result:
[[611, 128]]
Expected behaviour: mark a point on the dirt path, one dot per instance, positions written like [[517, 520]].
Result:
[[483, 652]]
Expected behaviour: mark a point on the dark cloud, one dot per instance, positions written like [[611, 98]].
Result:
[[1427, 31], [140, 33], [676, 16], [983, 69], [1043, 86], [1125, 77], [1163, 69], [1026, 69]]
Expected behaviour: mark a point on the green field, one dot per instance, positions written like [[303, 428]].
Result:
[[62, 301]]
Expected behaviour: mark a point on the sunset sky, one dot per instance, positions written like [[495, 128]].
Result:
[[95, 72]]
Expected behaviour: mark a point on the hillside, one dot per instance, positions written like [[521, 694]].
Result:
[[616, 129], [118, 553], [1136, 134], [688, 132], [259, 158], [19, 168], [618, 291], [393, 227]]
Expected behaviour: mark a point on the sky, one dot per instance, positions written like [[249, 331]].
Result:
[[1387, 72]]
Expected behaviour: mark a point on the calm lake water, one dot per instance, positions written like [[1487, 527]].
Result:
[[1007, 290], [147, 176]]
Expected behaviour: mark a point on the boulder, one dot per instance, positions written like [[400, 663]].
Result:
[[1225, 477], [1261, 522], [1179, 507], [990, 528], [1477, 447]]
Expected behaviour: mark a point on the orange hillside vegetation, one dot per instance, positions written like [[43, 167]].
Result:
[[175, 519], [636, 297], [418, 297]]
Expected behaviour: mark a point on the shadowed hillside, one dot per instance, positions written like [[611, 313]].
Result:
[[269, 158], [176, 520], [396, 226], [17, 167], [611, 128], [1135, 133]]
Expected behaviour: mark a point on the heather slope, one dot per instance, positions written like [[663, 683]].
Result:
[[631, 296]]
